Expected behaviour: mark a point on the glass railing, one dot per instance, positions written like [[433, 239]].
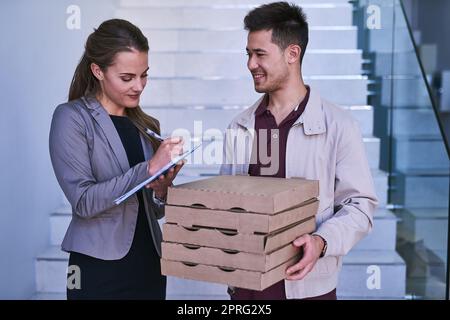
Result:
[[414, 150]]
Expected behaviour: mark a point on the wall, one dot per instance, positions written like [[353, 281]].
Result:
[[38, 55]]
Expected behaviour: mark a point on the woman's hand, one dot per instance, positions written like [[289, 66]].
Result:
[[161, 184], [170, 148]]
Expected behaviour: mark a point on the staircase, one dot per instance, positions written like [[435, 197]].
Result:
[[198, 73]]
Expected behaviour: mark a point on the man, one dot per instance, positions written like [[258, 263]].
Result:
[[306, 137]]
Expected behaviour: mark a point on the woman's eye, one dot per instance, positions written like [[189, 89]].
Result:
[[126, 79], [144, 75]]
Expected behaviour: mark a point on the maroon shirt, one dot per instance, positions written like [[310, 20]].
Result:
[[265, 120]]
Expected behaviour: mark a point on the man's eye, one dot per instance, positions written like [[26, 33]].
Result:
[[144, 75]]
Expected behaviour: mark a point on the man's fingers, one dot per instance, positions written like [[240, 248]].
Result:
[[305, 271], [300, 274], [300, 241], [297, 267]]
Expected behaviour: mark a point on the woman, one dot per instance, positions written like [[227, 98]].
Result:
[[99, 151]]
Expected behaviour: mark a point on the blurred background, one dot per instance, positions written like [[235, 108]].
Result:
[[386, 61]]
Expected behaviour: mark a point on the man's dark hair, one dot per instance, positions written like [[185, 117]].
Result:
[[287, 22]]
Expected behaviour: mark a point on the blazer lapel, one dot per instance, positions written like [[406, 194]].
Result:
[[104, 121], [146, 146]]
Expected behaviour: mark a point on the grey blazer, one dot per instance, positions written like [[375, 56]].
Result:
[[92, 169]]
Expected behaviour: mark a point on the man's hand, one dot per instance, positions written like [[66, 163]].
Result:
[[312, 247]]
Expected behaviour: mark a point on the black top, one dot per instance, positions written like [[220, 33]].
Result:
[[131, 140], [138, 274]]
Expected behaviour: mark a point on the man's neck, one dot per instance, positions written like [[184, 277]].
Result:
[[287, 99]]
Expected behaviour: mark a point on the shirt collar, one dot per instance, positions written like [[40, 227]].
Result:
[[313, 117]]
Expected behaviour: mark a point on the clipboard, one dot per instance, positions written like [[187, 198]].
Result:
[[160, 172]]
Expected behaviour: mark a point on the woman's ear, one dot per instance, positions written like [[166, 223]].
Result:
[[293, 53], [97, 72]]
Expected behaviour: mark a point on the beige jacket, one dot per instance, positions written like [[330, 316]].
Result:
[[324, 144]]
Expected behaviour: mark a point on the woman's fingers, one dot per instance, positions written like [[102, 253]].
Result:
[[164, 181], [172, 140]]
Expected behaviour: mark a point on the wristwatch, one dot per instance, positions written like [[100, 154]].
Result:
[[325, 247], [158, 201]]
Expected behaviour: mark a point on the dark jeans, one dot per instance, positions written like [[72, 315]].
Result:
[[275, 292]]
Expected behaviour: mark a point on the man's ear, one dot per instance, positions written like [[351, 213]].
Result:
[[97, 72], [293, 53]]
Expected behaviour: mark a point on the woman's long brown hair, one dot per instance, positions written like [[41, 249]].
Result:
[[111, 37]]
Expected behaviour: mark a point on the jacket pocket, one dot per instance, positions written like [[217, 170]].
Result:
[[324, 267]]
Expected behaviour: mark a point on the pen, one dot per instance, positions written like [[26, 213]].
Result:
[[157, 136], [154, 134]]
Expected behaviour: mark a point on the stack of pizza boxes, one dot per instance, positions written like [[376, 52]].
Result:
[[237, 230]]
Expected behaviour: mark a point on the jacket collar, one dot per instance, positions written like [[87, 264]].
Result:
[[104, 121], [313, 118]]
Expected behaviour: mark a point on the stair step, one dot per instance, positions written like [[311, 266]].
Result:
[[189, 17], [426, 225], [52, 265], [234, 64], [205, 40], [422, 188], [422, 262], [360, 268], [409, 91], [384, 232], [49, 296], [404, 63], [426, 288], [212, 3], [420, 151], [51, 271], [410, 121], [381, 40], [341, 90]]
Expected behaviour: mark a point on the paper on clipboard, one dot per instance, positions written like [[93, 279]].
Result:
[[160, 172]]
